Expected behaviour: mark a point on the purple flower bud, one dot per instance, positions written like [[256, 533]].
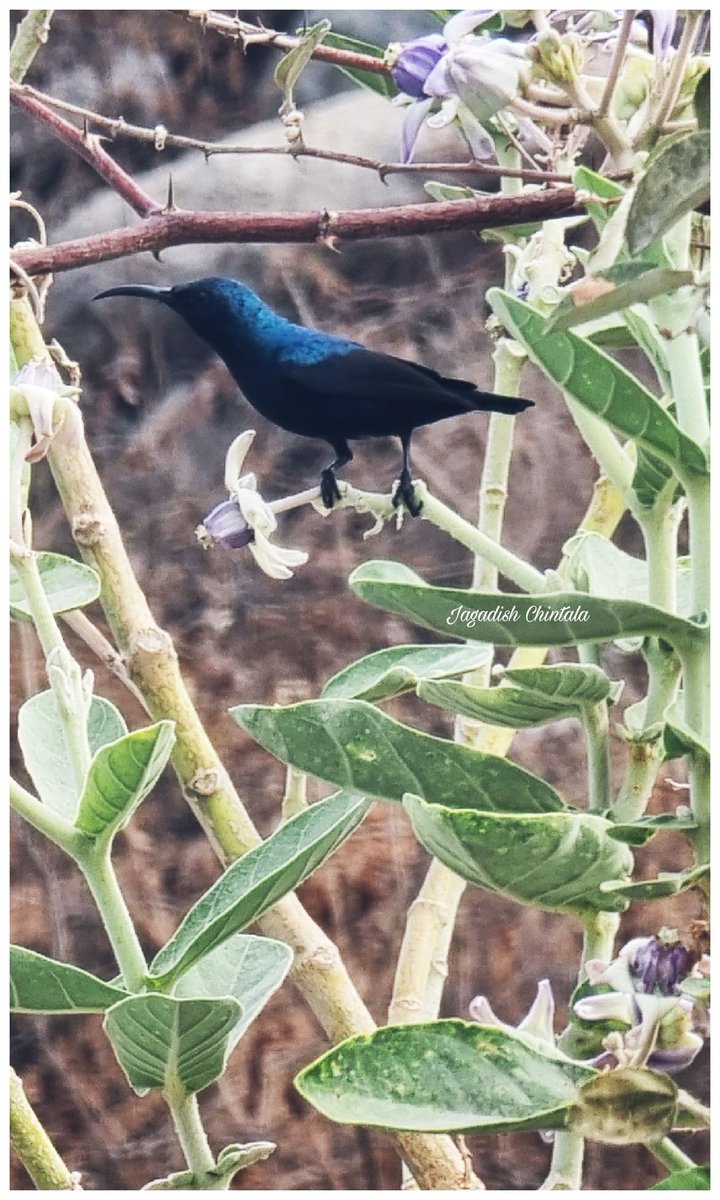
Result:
[[659, 966], [661, 27], [226, 525], [414, 62]]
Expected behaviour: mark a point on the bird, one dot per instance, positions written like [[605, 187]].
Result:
[[316, 384]]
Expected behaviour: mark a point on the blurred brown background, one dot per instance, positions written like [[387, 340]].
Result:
[[160, 413]]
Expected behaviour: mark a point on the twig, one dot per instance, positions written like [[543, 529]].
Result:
[[669, 97], [33, 1146], [256, 35], [103, 650], [194, 228], [87, 145], [30, 35], [117, 127], [618, 61]]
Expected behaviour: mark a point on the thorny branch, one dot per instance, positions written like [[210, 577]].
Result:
[[176, 228], [161, 138]]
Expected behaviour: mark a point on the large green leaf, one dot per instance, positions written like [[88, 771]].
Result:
[[537, 695], [693, 1179], [596, 565], [160, 1041], [552, 619], [355, 745], [555, 861], [676, 181], [383, 84], [42, 985], [399, 669], [600, 385], [257, 880], [121, 775], [443, 1076], [247, 968], [667, 883], [67, 584], [40, 734], [679, 739]]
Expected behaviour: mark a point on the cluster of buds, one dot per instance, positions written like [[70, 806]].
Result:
[[644, 994], [558, 58], [246, 520]]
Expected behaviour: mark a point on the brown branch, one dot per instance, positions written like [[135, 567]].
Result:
[[249, 35], [87, 145], [179, 228], [117, 127]]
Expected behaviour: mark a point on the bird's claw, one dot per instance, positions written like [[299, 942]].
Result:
[[405, 494], [329, 490]]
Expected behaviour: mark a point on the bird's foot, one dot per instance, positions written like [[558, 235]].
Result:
[[405, 494], [329, 490]]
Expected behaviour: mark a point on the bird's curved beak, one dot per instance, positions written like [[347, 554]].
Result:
[[137, 289]]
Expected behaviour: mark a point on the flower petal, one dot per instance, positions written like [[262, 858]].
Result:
[[412, 123], [466, 22], [235, 457]]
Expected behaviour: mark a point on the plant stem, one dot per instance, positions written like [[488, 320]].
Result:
[[42, 818], [493, 488], [295, 795], [671, 1156], [191, 1133], [669, 96], [96, 865], [597, 728], [30, 35], [33, 1146], [512, 567]]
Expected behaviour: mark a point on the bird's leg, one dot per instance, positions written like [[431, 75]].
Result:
[[405, 491], [329, 490]]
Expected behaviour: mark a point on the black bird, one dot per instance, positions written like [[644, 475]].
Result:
[[317, 384]]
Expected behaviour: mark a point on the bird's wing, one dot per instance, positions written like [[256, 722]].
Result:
[[382, 381]]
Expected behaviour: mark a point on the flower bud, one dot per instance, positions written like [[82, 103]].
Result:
[[411, 62], [225, 526], [484, 75], [624, 1106], [659, 965]]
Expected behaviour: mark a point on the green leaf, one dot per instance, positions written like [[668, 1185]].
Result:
[[539, 695], [354, 745], [676, 181], [599, 384], [679, 739], [292, 64], [257, 880], [555, 861], [552, 619], [586, 180], [637, 833], [67, 584], [613, 290], [443, 1077], [121, 775], [668, 883], [384, 84], [42, 985], [250, 969], [40, 734], [160, 1041], [399, 669], [693, 1179], [701, 100]]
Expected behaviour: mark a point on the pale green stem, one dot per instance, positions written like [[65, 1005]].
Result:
[[607, 451], [191, 1134], [671, 1156], [33, 1146], [669, 97], [30, 35], [599, 931], [493, 489], [509, 565], [96, 865], [42, 818], [295, 794], [597, 738]]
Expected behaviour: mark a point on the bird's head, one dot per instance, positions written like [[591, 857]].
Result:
[[206, 304]]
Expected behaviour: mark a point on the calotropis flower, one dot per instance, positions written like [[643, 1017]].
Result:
[[36, 389], [246, 520], [459, 70], [646, 980]]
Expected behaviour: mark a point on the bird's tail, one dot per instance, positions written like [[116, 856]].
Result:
[[504, 404]]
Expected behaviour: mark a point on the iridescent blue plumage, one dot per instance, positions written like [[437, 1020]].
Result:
[[317, 384]]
